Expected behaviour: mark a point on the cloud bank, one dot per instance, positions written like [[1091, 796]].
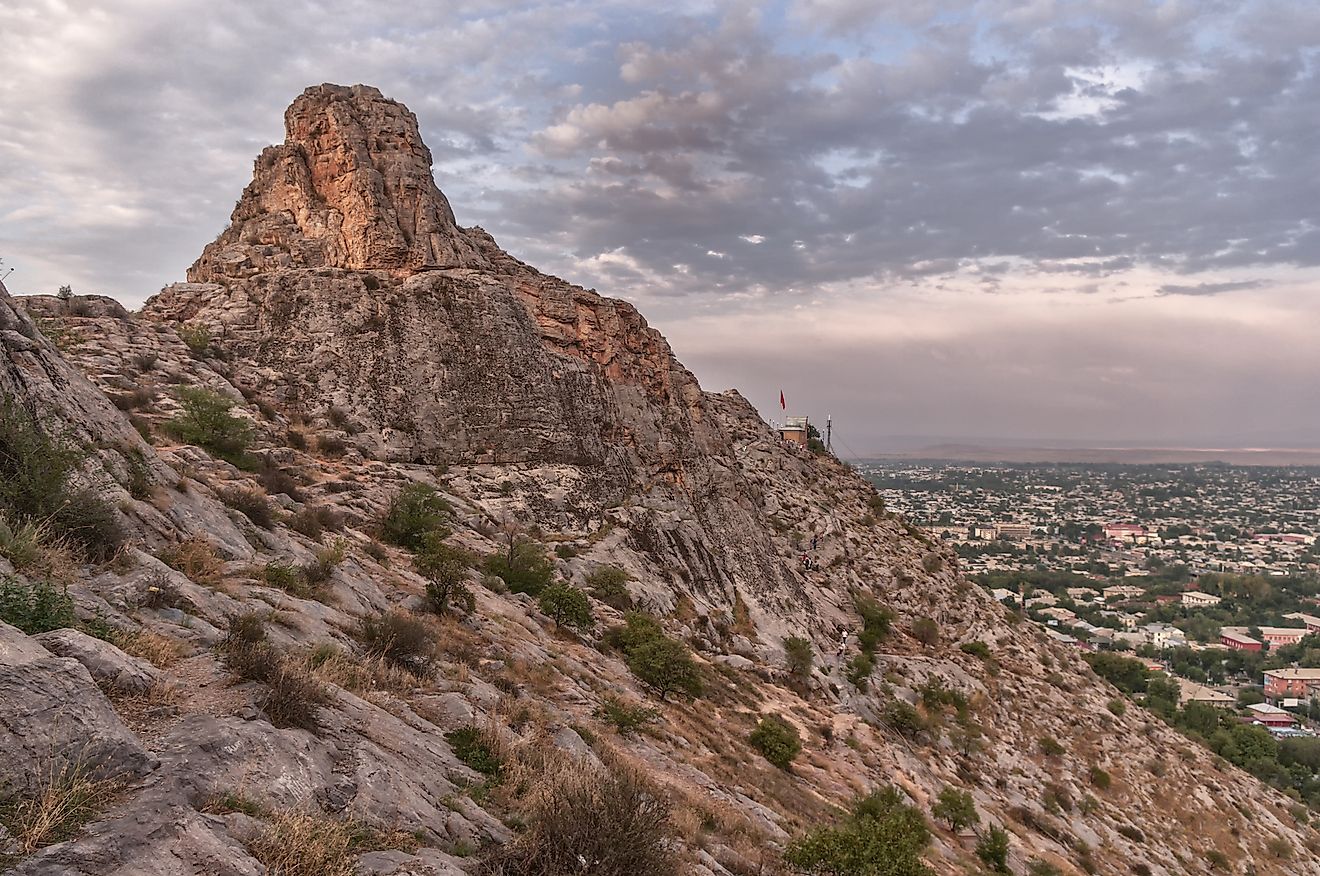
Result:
[[1062, 218]]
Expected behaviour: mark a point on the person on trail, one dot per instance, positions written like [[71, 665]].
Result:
[[843, 643], [815, 538]]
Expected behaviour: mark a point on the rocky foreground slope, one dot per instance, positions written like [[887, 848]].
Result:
[[365, 344]]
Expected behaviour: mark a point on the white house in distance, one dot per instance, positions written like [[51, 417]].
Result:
[[1122, 591], [1197, 599]]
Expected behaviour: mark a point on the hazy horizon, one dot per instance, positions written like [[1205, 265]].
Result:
[[1092, 221]]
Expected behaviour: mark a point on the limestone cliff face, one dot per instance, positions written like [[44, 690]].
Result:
[[344, 278], [351, 187]]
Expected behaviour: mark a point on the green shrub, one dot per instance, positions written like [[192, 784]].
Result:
[[882, 836], [926, 631], [414, 512], [323, 564], [993, 850], [876, 623], [777, 740], [1050, 747], [470, 746], [609, 584], [286, 577], [445, 569], [400, 638], [1100, 778], [798, 656], [932, 562], [38, 607], [524, 567], [36, 486], [1217, 860], [196, 336], [206, 421], [627, 719], [665, 666], [1117, 707], [22, 544], [1037, 867], [566, 605], [956, 808], [976, 649], [860, 668], [903, 718]]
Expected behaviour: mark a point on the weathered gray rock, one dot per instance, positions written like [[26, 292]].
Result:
[[53, 717], [110, 667]]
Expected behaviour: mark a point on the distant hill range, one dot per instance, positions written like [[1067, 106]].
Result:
[[1099, 455]]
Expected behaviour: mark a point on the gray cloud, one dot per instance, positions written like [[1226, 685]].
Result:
[[728, 162]]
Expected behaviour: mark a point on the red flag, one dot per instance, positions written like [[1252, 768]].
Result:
[[782, 403]]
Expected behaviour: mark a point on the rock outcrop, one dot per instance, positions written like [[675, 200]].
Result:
[[370, 343]]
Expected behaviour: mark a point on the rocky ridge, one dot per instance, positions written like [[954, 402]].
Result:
[[372, 343]]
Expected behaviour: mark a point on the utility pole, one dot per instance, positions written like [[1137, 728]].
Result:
[[829, 428]]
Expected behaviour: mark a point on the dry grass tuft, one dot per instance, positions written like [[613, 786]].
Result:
[[68, 798], [158, 650], [583, 818], [301, 843], [196, 557], [358, 674]]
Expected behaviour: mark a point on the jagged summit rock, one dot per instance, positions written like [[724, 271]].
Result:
[[350, 187]]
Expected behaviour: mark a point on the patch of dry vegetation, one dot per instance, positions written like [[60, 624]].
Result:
[[68, 797]]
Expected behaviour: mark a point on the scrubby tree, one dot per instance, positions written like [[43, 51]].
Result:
[[445, 568], [955, 808], [416, 511], [566, 605], [206, 420], [609, 584], [523, 566], [926, 631], [798, 656], [993, 849], [882, 836], [777, 740]]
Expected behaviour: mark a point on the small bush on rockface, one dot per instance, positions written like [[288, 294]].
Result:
[[1217, 860], [798, 656], [295, 699], [582, 818], [976, 649], [400, 638], [932, 562], [904, 719], [286, 577], [1050, 747], [445, 569], [860, 668], [1100, 778], [197, 337], [206, 421], [566, 604], [64, 799], [609, 584], [876, 623], [414, 512], [993, 850], [24, 545], [1279, 848], [196, 558], [250, 503], [663, 664], [1117, 707], [1037, 867], [471, 746], [37, 487], [275, 481], [323, 564], [882, 836], [955, 808], [307, 843], [38, 607], [627, 719], [524, 566], [777, 740], [313, 521], [926, 631]]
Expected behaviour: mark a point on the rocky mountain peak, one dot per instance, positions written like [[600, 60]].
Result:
[[350, 187]]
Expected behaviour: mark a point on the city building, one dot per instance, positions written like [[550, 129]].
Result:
[[1270, 716], [1311, 621], [1277, 636], [1238, 641], [796, 430], [1122, 591], [1290, 683], [1191, 692], [1013, 531], [1197, 599]]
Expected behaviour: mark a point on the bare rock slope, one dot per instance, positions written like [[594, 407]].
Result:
[[370, 345]]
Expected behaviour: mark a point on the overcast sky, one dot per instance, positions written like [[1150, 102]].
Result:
[[1031, 219]]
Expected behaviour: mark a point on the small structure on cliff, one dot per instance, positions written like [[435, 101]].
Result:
[[796, 430]]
